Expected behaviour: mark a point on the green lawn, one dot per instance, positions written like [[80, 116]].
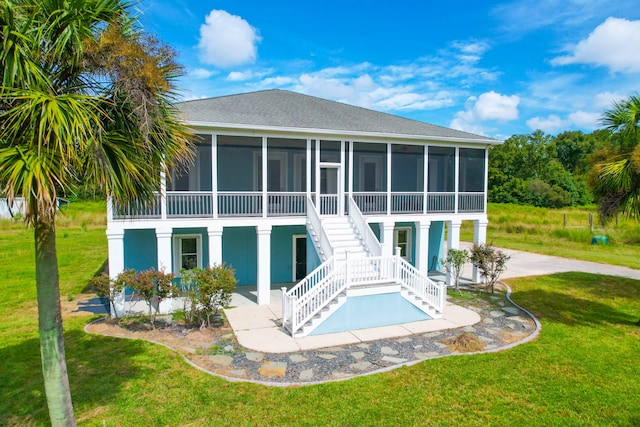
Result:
[[582, 369]]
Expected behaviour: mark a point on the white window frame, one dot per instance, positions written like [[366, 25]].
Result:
[[177, 250], [396, 232]]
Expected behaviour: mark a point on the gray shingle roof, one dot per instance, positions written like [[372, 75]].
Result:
[[285, 109]]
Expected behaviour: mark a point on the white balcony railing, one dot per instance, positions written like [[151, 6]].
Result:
[[470, 202], [409, 202], [189, 204], [441, 202], [371, 202], [199, 204]]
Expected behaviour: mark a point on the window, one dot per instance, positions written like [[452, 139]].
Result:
[[402, 240], [187, 251], [471, 175], [441, 169]]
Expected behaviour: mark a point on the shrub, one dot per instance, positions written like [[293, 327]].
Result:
[[454, 263], [206, 291], [491, 262], [106, 288], [153, 286]]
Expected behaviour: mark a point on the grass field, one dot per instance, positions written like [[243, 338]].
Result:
[[542, 231], [582, 370]]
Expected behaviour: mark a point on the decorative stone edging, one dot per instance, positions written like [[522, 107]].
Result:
[[500, 329]]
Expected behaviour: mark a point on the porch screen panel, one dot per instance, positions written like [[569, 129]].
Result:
[[472, 173], [197, 175], [441, 169], [329, 151], [286, 165], [369, 167], [407, 168], [239, 164]]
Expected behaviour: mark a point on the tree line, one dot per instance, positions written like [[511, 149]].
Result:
[[573, 168]]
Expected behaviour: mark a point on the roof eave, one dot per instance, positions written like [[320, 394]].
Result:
[[334, 132]]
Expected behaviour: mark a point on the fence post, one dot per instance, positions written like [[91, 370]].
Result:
[[564, 220], [590, 221]]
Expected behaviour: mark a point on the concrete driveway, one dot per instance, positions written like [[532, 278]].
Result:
[[529, 264]]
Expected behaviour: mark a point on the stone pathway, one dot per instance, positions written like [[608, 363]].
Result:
[[502, 325]]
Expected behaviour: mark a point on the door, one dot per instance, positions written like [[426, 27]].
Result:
[[299, 257], [329, 187]]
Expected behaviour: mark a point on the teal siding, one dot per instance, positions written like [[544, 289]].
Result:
[[282, 252], [240, 250], [436, 245], [140, 249], [313, 259], [375, 227]]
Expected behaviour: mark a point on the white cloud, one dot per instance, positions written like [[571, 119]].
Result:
[[605, 100], [493, 106], [227, 40], [554, 123], [550, 124], [614, 44], [488, 106], [201, 73], [585, 119]]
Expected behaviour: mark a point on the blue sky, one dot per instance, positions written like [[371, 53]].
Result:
[[495, 69]]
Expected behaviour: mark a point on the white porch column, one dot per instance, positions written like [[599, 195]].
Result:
[[453, 241], [386, 235], [214, 175], [389, 179], [422, 245], [163, 237], [479, 238], [264, 264], [115, 241], [265, 204], [163, 193], [215, 244]]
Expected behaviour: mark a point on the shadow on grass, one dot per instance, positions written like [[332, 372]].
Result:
[[580, 298], [99, 368]]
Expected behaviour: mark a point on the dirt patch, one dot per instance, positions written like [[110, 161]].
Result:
[[184, 340]]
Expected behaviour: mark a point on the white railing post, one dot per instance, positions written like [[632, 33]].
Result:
[[347, 271], [285, 305], [397, 257]]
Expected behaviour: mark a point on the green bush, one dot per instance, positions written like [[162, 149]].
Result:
[[206, 291]]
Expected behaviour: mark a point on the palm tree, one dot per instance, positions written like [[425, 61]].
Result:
[[85, 95], [616, 181]]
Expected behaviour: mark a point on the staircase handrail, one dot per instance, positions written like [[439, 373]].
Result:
[[368, 237], [312, 294], [434, 294], [316, 223]]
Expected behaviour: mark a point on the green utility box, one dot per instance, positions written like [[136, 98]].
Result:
[[600, 240]]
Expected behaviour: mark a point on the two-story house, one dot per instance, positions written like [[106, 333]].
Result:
[[288, 188]]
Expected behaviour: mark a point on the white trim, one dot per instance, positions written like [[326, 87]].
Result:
[[294, 248], [409, 242], [348, 134], [177, 250]]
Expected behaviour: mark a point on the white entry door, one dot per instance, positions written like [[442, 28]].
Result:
[[329, 202]]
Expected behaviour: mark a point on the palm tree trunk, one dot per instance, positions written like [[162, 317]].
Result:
[[54, 365]]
